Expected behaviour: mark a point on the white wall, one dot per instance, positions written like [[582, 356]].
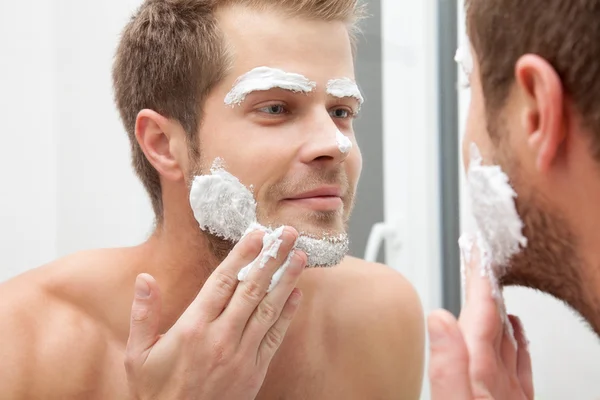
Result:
[[565, 353], [27, 112], [66, 180]]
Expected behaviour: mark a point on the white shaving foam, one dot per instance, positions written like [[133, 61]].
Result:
[[208, 196], [223, 206], [270, 249], [499, 228], [344, 87], [271, 242], [464, 58], [279, 273], [492, 200], [266, 78], [343, 142]]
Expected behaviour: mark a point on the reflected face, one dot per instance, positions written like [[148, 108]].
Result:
[[549, 262]]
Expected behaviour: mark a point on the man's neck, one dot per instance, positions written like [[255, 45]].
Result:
[[177, 255], [584, 218]]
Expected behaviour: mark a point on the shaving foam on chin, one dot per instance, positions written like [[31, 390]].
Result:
[[224, 207]]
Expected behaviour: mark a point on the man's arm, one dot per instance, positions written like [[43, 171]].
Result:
[[49, 349]]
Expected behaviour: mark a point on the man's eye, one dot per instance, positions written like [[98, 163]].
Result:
[[274, 109], [340, 113]]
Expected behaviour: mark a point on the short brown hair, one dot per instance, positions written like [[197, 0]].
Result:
[[566, 33], [172, 54]]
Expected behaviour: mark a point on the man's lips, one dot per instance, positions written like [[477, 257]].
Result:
[[323, 191], [325, 198]]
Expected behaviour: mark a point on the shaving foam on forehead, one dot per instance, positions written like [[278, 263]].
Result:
[[344, 87], [343, 142], [266, 78]]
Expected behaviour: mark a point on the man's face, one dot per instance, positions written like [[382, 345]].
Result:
[[279, 142], [549, 262]]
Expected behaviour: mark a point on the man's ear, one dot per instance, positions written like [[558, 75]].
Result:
[[162, 143], [543, 114]]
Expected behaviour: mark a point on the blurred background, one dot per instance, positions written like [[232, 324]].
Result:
[[67, 184]]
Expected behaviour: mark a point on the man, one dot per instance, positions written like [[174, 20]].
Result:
[[69, 328], [535, 112]]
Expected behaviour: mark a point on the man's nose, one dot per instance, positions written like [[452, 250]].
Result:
[[326, 142]]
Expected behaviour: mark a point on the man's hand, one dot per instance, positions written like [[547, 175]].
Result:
[[221, 346], [476, 358]]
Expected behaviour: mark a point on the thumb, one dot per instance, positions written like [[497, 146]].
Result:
[[449, 358], [145, 316]]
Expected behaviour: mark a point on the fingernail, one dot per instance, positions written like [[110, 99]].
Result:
[[142, 289]]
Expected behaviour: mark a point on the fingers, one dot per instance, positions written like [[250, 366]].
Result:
[[251, 292], [480, 319], [222, 283], [145, 317], [524, 367], [269, 311], [449, 359], [275, 335]]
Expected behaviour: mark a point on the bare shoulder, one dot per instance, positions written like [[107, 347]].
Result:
[[372, 291], [51, 346], [383, 320]]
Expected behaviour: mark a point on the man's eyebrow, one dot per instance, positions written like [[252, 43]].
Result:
[[344, 87], [266, 78]]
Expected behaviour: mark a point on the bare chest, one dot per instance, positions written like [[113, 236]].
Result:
[[310, 374]]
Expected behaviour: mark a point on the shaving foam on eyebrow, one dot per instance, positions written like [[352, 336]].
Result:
[[223, 206], [343, 142], [266, 78], [344, 87]]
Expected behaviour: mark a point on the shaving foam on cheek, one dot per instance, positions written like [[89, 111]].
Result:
[[344, 87], [209, 194], [265, 78], [499, 228], [343, 142]]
